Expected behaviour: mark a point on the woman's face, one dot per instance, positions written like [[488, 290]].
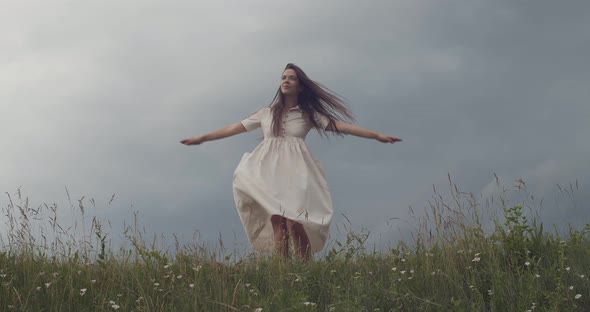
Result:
[[290, 82]]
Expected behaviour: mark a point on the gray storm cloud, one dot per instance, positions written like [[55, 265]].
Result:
[[95, 98]]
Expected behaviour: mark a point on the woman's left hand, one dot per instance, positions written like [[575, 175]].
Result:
[[387, 139]]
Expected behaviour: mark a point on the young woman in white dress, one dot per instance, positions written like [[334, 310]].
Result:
[[279, 189]]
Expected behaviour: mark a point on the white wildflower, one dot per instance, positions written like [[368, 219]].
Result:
[[258, 310], [179, 276], [571, 287], [167, 266], [412, 271], [537, 275], [403, 272], [191, 285], [82, 291], [55, 274], [527, 263], [156, 284], [307, 303], [93, 281], [567, 269], [115, 306], [47, 285], [476, 259], [582, 275], [197, 268], [38, 288], [394, 269], [578, 296], [490, 292]]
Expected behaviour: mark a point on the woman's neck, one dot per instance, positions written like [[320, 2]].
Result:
[[290, 102]]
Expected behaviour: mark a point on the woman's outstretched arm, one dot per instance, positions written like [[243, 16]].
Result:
[[224, 132], [362, 132]]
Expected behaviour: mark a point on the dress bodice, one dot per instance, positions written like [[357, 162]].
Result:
[[294, 123]]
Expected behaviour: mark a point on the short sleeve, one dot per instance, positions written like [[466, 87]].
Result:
[[322, 120], [253, 121]]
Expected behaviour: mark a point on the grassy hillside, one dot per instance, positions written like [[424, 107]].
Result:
[[452, 264]]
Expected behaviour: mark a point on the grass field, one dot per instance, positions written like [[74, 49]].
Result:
[[451, 264]]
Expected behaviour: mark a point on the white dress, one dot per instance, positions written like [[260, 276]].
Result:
[[281, 177]]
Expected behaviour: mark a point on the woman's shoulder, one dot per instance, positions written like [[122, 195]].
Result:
[[263, 109]]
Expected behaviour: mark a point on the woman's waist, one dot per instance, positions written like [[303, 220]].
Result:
[[284, 139]]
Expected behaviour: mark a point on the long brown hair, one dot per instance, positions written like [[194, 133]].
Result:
[[314, 98]]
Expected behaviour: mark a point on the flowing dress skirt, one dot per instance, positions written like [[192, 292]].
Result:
[[281, 177]]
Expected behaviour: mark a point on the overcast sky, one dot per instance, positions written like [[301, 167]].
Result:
[[95, 97]]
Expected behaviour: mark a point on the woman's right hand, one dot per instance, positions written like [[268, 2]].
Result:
[[193, 141]]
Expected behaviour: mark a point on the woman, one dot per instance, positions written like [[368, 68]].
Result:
[[279, 189]]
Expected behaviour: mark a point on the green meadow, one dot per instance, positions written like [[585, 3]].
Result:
[[454, 260]]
